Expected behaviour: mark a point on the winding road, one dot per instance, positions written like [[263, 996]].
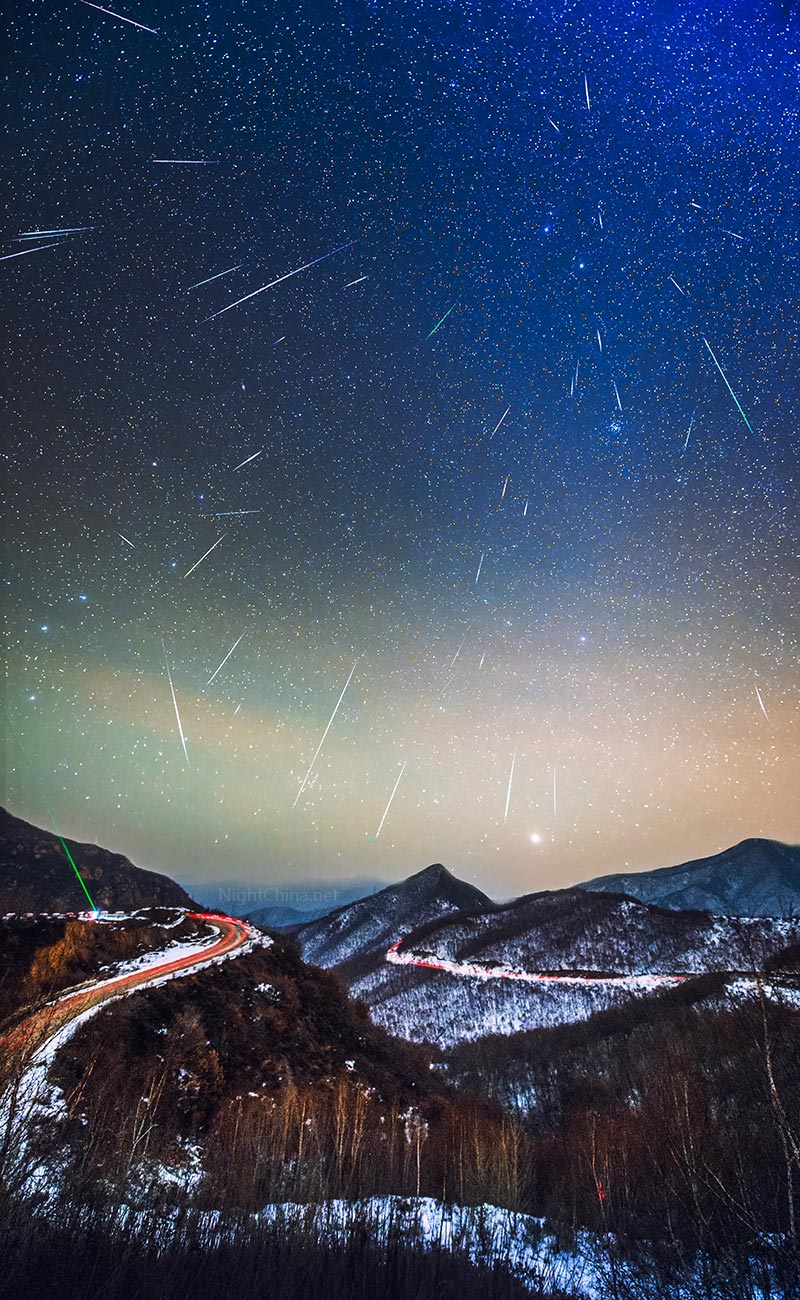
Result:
[[37, 1031], [497, 971]]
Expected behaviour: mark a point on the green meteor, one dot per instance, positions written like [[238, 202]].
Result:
[[61, 839], [441, 322], [727, 385]]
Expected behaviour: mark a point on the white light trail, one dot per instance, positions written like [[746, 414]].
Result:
[[225, 660], [480, 566], [324, 734], [175, 703], [202, 557], [280, 280], [510, 779], [761, 702], [25, 251], [391, 797], [121, 17], [499, 422], [254, 456]]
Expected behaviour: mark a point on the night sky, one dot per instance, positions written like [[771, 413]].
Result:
[[599, 204]]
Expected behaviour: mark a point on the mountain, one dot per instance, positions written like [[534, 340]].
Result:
[[283, 903], [585, 936], [370, 925], [35, 875], [754, 878]]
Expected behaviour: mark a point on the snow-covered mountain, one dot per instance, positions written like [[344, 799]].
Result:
[[754, 878], [599, 942], [369, 926]]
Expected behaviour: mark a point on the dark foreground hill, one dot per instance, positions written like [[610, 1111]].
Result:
[[754, 878], [36, 876]]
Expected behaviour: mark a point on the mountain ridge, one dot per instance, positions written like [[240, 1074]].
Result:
[[756, 877]]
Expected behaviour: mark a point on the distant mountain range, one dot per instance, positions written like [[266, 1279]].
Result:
[[36, 876], [754, 878], [439, 919]]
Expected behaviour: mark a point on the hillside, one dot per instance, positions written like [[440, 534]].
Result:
[[754, 878], [368, 926], [567, 932], [35, 875]]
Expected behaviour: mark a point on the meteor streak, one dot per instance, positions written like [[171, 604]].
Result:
[[599, 341], [279, 280], [225, 660], [25, 251], [678, 287], [202, 557], [510, 779], [727, 385], [499, 422], [125, 539], [391, 797], [688, 434], [63, 230], [121, 17], [616, 393], [175, 703], [555, 128], [458, 651], [324, 734], [188, 162], [505, 485], [441, 322], [761, 702], [555, 792], [247, 462], [350, 284], [222, 514], [213, 277], [480, 566], [586, 91]]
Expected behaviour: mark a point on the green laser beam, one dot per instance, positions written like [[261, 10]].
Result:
[[727, 385], [61, 839], [441, 322]]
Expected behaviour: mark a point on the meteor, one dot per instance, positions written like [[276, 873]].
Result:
[[616, 393], [688, 434], [555, 128], [727, 385], [458, 651], [47, 234], [125, 539], [480, 566], [555, 792], [224, 661], [222, 514], [279, 280], [324, 734], [175, 703], [525, 511], [510, 779], [202, 557], [25, 251], [586, 91], [391, 797], [599, 341], [247, 462], [121, 17], [188, 162], [213, 277], [678, 287], [350, 284], [761, 702], [505, 485], [499, 422], [441, 322]]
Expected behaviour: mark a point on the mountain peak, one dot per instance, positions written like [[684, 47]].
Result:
[[756, 877]]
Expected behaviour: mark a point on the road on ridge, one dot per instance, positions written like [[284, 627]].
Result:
[[33, 1033]]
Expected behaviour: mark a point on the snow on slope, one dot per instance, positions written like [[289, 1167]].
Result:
[[755, 878], [371, 924]]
